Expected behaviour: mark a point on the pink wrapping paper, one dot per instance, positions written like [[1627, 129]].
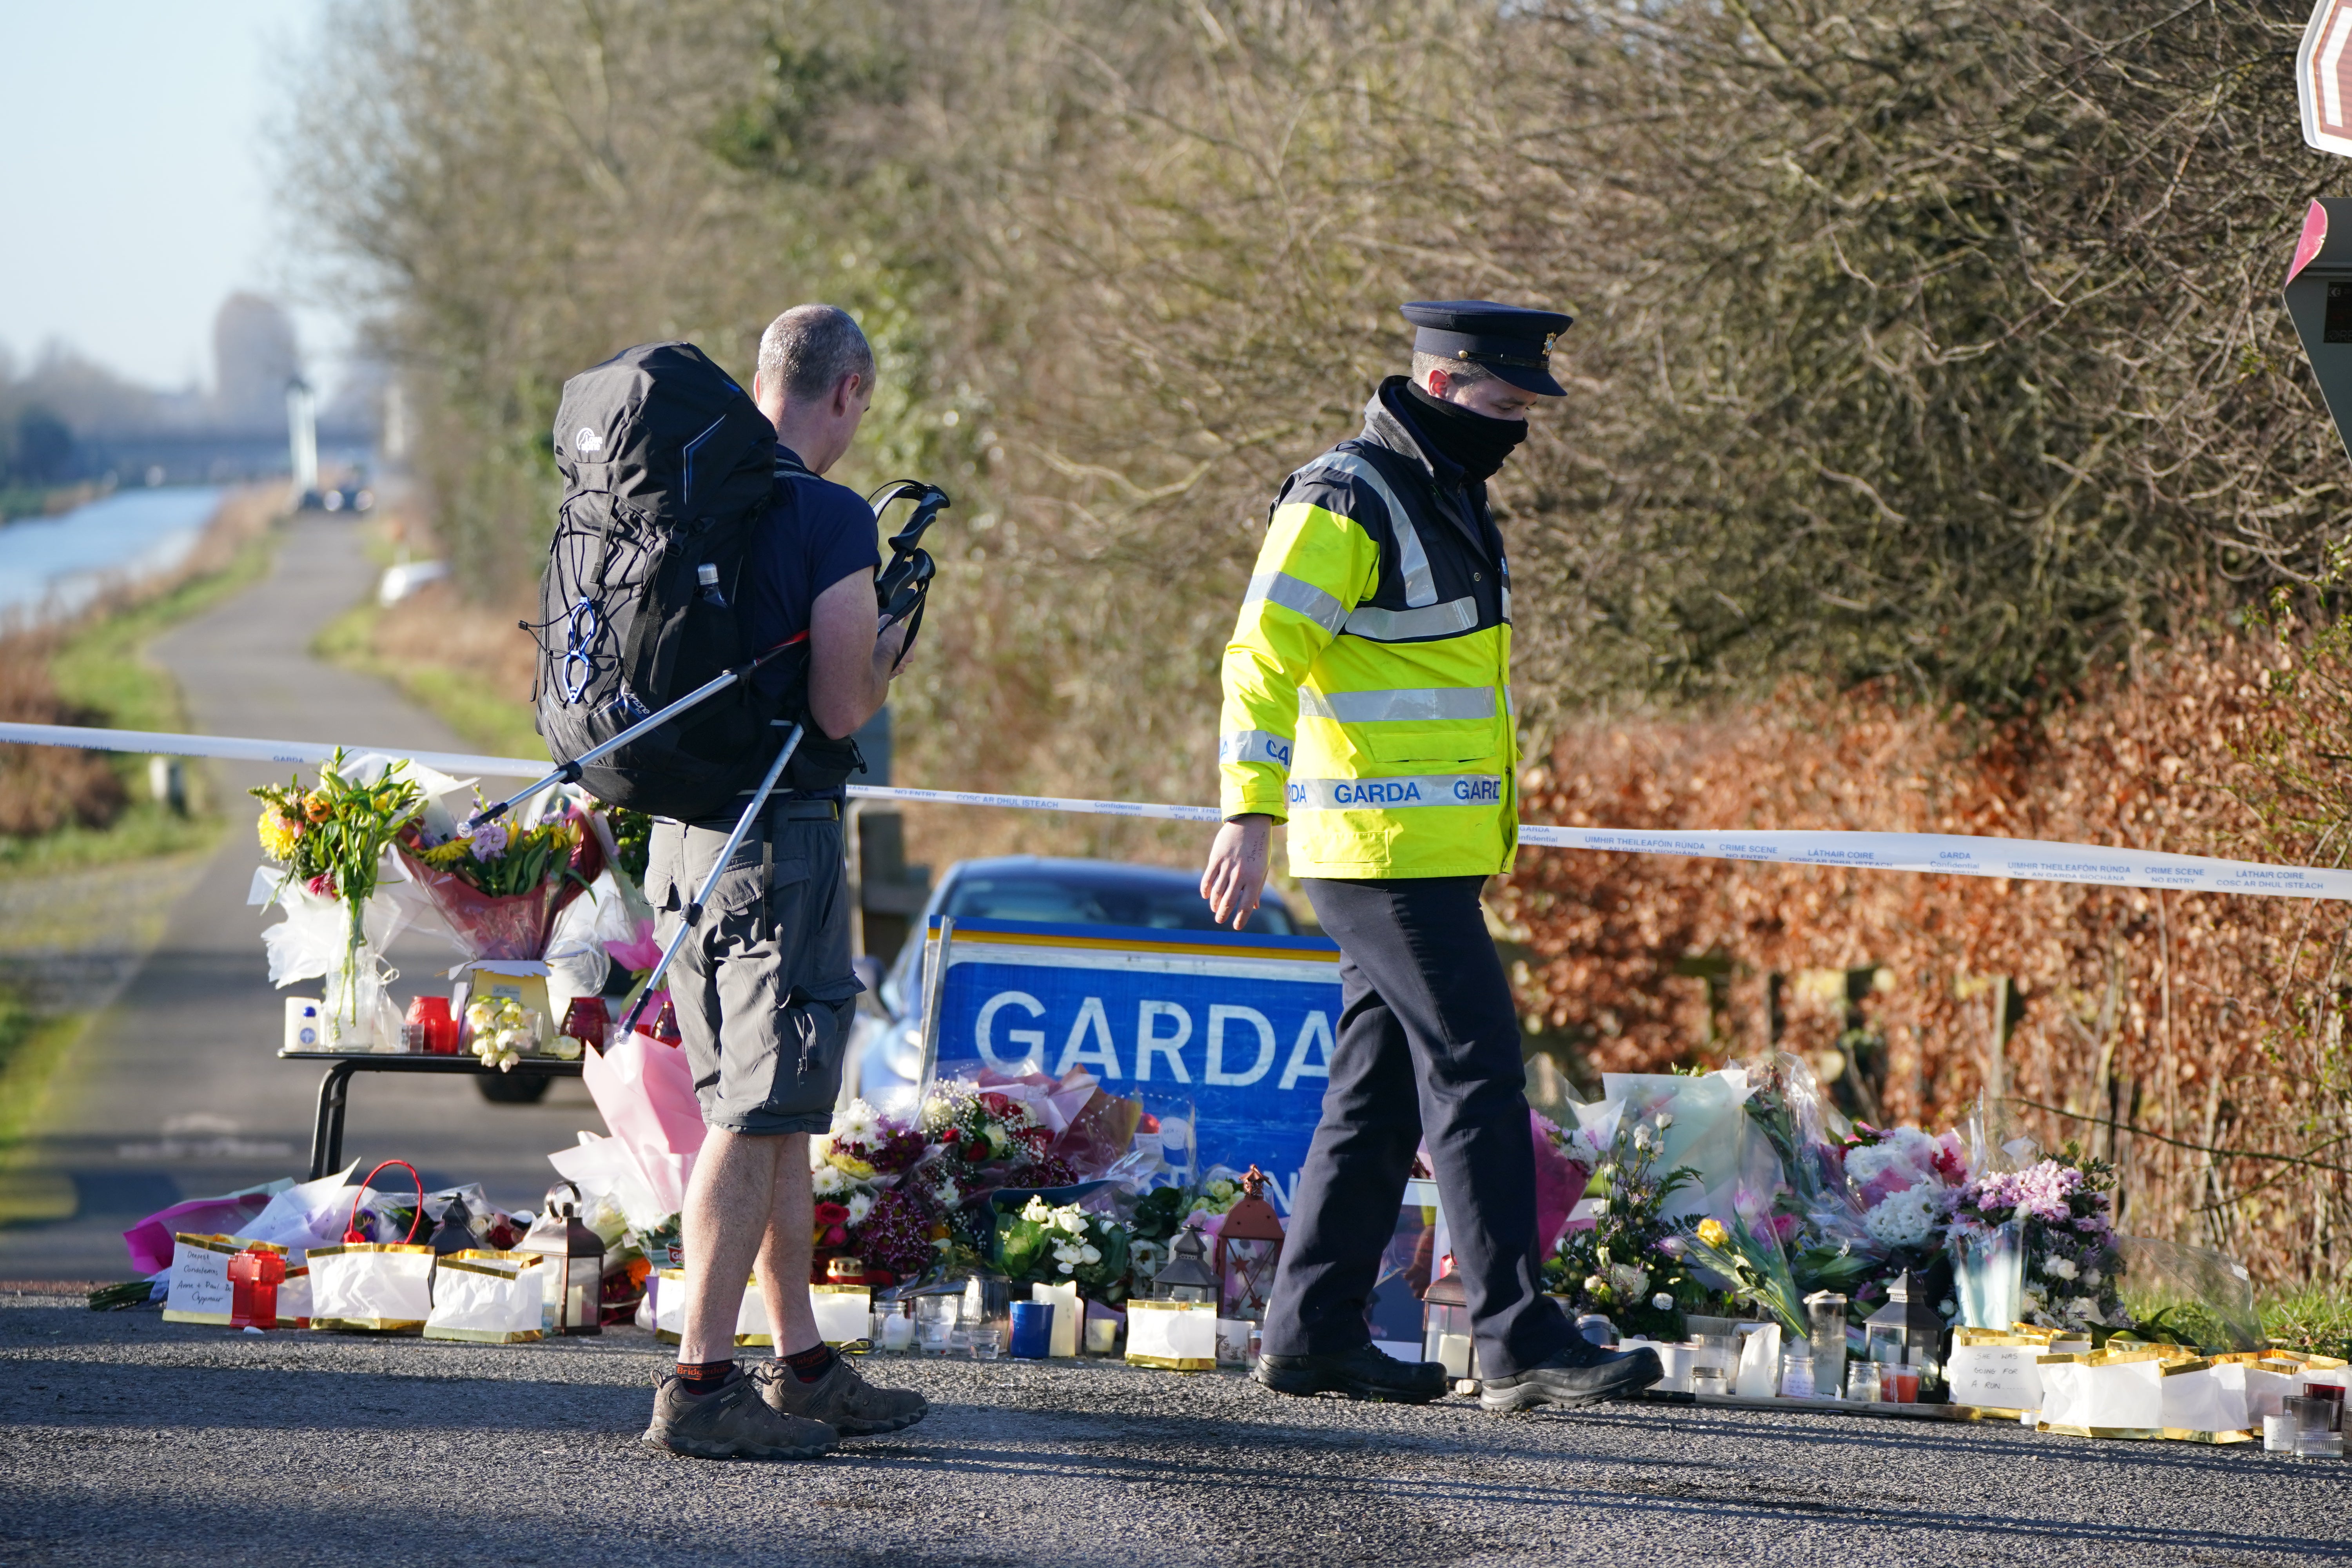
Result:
[[151, 1242], [645, 1093], [1559, 1186], [516, 926]]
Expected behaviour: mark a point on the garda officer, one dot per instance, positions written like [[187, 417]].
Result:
[[1367, 702]]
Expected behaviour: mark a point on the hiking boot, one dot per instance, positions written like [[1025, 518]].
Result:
[[1583, 1374], [1364, 1372], [730, 1422], [841, 1399]]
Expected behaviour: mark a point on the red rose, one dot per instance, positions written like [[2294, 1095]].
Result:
[[836, 1236], [998, 1106], [832, 1214], [952, 1134]]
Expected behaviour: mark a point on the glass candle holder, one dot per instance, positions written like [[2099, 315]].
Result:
[[987, 1343], [1862, 1381], [1796, 1375], [2318, 1444], [1898, 1383], [1709, 1384], [2278, 1434], [935, 1321], [2331, 1395]]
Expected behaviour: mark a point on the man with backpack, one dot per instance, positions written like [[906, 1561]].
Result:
[[763, 987]]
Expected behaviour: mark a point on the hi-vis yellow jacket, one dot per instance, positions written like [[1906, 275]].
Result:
[[1367, 686]]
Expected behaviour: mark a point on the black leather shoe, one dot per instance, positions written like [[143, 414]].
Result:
[[1583, 1374], [1364, 1372]]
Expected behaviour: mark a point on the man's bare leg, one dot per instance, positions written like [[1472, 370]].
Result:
[[783, 1267], [730, 1204]]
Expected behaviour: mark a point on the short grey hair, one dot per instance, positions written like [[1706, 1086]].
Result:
[[806, 351], [1464, 372]]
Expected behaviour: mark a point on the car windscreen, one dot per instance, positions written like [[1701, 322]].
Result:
[[1155, 906]]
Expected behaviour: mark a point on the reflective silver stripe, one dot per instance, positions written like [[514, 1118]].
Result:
[[1507, 604], [1395, 795], [1419, 587], [1255, 746], [1509, 707], [1376, 624], [1401, 702], [1296, 594]]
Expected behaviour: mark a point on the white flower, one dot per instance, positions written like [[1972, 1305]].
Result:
[[1906, 1218], [2033, 1300], [826, 1182], [1067, 1267], [1594, 1284], [946, 1195], [820, 1151], [2090, 1280], [1665, 1120], [1629, 1280], [2058, 1267], [1037, 1212], [1663, 1303], [2084, 1307], [860, 1206], [1643, 1139], [858, 1123], [1090, 1253]]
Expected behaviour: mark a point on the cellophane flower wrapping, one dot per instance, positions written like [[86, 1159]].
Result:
[[508, 926]]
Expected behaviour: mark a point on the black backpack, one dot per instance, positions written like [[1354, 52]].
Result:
[[669, 472]]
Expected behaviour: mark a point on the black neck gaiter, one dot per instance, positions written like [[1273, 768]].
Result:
[[1475, 443]]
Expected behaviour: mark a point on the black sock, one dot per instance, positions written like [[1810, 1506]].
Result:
[[810, 1366], [701, 1377]]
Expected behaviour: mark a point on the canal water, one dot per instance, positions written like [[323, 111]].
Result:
[[52, 567]]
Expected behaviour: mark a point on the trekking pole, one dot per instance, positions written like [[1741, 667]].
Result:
[[570, 773], [693, 917]]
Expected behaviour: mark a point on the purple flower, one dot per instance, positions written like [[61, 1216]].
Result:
[[489, 839]]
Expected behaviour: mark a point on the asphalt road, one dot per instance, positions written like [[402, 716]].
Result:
[[176, 1091], [125, 1439]]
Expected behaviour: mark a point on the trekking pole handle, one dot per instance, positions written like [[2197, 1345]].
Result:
[[570, 773], [710, 883]]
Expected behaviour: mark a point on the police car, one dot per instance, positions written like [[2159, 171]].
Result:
[[886, 1043]]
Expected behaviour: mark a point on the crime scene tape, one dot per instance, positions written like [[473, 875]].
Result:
[[1960, 855]]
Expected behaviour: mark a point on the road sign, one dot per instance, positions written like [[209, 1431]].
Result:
[[1228, 1034], [2323, 78]]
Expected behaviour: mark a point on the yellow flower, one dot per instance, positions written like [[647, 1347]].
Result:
[[1711, 1232], [278, 837], [852, 1167]]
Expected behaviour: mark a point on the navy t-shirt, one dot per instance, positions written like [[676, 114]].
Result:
[[827, 534]]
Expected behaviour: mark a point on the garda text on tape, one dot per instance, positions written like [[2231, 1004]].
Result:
[[1962, 855]]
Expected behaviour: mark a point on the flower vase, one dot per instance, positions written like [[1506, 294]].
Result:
[[358, 1013], [1989, 1265]]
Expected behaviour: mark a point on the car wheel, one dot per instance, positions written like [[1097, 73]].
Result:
[[514, 1088]]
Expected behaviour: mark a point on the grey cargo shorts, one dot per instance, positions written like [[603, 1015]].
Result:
[[765, 989]]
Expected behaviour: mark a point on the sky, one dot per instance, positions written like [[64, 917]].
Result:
[[132, 189]]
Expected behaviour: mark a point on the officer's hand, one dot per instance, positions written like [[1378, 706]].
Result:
[[1235, 875]]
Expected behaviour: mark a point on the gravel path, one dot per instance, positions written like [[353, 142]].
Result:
[[131, 1440]]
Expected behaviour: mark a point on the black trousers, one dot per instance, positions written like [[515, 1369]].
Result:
[[1428, 1044]]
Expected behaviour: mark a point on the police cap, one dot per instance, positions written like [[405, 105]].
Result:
[[1512, 344]]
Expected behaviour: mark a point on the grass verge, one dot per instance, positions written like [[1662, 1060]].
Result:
[[467, 695], [31, 1048]]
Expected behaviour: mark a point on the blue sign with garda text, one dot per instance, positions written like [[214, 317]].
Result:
[[1224, 1035]]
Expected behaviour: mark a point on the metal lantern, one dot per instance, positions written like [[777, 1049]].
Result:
[[1186, 1275], [575, 1262], [1907, 1328], [1446, 1333], [1249, 1249]]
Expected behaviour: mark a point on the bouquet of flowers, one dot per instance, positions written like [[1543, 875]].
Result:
[[500, 884], [866, 1207], [331, 839], [1048, 1245], [1627, 1263], [1749, 1254], [2074, 1266]]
